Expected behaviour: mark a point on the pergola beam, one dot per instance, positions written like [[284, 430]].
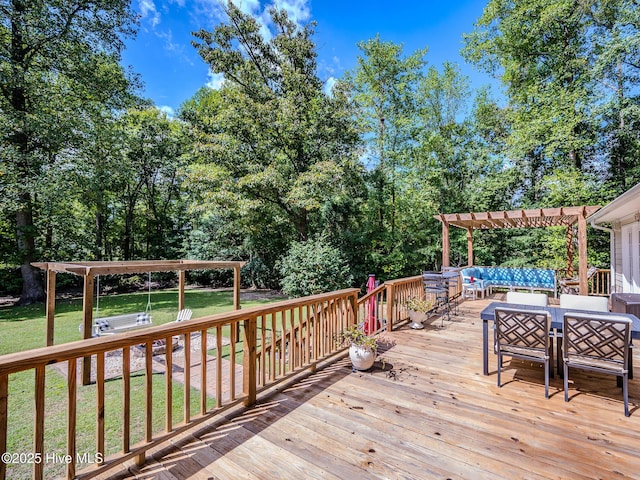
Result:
[[524, 218]]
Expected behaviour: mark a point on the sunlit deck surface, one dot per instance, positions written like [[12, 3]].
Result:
[[429, 413]]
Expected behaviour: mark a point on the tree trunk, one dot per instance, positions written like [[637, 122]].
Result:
[[620, 146], [301, 223], [32, 290]]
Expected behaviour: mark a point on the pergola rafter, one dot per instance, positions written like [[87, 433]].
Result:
[[530, 218]]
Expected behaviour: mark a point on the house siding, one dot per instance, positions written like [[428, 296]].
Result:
[[617, 260]]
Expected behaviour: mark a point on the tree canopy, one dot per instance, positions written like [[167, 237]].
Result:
[[313, 188]]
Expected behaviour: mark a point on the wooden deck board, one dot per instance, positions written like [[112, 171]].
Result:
[[430, 414]]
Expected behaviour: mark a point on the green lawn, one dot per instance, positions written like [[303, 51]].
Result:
[[23, 328]]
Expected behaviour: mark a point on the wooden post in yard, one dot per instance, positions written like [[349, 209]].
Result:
[[181, 279], [51, 305], [87, 322], [236, 288], [236, 302], [469, 246]]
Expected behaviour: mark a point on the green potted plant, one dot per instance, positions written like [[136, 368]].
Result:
[[362, 347], [418, 309]]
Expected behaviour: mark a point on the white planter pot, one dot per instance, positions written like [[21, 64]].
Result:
[[416, 319], [362, 358]]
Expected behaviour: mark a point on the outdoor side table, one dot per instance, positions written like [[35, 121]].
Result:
[[470, 290]]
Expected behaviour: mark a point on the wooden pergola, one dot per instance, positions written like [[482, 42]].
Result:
[[89, 270], [533, 218]]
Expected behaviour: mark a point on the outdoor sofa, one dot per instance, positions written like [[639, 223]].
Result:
[[511, 278]]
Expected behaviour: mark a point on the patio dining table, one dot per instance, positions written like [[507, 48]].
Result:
[[557, 317]]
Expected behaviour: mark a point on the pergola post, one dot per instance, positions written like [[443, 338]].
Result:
[[569, 251], [51, 305], [582, 252], [445, 242], [181, 281], [87, 322], [469, 246], [236, 288]]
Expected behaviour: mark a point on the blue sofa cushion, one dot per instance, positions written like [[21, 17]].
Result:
[[512, 277]]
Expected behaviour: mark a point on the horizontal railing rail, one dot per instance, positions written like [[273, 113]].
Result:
[[278, 340]]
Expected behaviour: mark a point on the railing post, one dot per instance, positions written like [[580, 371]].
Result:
[[38, 424], [390, 305], [4, 393], [353, 302], [249, 374]]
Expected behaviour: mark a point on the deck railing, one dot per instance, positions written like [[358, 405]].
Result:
[[278, 341], [384, 306], [599, 283]]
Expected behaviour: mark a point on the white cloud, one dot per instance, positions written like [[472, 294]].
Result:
[[167, 109], [169, 44], [298, 10], [332, 68], [328, 85], [215, 80], [148, 10], [247, 6]]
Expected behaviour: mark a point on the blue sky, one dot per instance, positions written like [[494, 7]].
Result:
[[172, 71]]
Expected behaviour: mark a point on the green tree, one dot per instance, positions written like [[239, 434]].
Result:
[[277, 150], [46, 46], [615, 54], [571, 70], [384, 87], [539, 50], [148, 180], [314, 266]]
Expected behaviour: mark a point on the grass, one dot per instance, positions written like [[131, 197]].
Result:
[[23, 328]]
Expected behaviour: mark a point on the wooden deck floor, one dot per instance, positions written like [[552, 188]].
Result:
[[430, 413]]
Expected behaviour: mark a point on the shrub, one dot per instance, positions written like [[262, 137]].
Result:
[[314, 266], [10, 280]]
